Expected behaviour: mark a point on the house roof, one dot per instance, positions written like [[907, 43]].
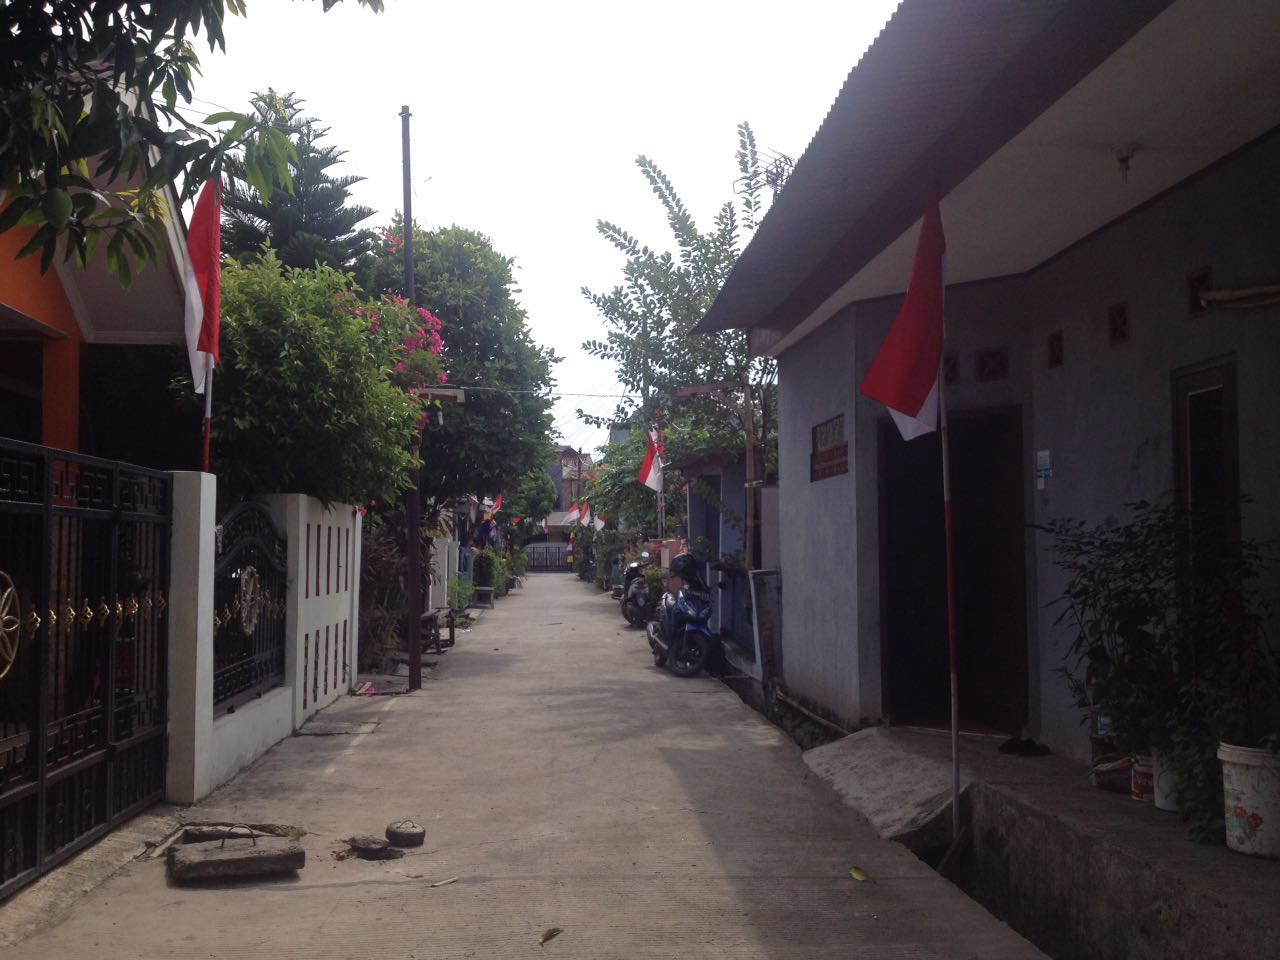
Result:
[[1015, 112], [151, 310]]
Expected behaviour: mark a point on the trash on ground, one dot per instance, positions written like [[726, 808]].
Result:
[[445, 883], [406, 833], [549, 934], [859, 874]]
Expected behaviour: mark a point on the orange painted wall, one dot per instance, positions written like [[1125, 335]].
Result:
[[40, 296]]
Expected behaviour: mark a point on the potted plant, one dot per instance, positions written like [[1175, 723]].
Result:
[[1241, 680], [1117, 601], [1168, 641]]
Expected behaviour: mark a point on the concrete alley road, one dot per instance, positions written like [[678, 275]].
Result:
[[566, 783]]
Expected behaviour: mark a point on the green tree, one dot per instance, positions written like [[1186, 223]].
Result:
[[662, 295], [91, 133], [318, 392], [615, 493], [313, 223], [533, 497], [502, 432]]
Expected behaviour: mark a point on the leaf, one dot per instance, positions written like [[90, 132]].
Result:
[[549, 934], [859, 874], [57, 207]]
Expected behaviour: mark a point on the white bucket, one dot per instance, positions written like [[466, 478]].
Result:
[[1251, 799], [1163, 782]]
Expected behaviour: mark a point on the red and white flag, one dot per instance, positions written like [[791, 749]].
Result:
[[651, 470], [204, 281], [546, 527], [599, 523], [497, 504], [904, 374], [584, 515], [571, 515]]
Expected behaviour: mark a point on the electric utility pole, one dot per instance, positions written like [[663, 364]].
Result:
[[413, 501]]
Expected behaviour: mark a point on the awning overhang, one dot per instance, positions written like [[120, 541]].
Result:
[[1018, 114]]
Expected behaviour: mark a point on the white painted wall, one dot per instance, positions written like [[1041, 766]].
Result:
[[188, 777], [321, 629], [323, 613]]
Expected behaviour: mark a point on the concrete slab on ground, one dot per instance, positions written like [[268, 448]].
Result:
[[565, 782]]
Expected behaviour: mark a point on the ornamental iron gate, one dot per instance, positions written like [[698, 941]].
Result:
[[84, 581], [249, 589], [548, 557]]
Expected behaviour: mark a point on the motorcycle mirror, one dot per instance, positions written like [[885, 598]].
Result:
[[644, 554]]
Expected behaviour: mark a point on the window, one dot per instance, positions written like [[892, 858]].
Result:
[[830, 456]]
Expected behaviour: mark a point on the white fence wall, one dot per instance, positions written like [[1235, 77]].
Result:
[[324, 599], [321, 635]]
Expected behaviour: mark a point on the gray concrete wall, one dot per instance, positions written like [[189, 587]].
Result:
[[1104, 415], [819, 526]]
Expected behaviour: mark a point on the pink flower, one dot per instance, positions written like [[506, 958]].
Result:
[[401, 367], [444, 378], [363, 511]]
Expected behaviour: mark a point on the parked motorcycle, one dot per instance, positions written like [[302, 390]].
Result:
[[637, 607], [680, 638]]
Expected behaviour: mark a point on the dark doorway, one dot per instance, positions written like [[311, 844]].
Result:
[[988, 518], [20, 385], [1206, 465]]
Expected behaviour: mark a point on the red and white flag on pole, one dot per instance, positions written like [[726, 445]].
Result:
[[651, 470], [204, 282], [571, 515], [497, 504], [546, 527], [904, 374]]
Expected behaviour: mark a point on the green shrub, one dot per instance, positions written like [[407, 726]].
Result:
[[519, 563], [461, 593], [656, 579], [484, 564]]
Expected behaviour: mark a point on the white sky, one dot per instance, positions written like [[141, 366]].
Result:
[[528, 117]]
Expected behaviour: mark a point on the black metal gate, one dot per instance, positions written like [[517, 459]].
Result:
[[249, 588], [548, 557], [84, 581]]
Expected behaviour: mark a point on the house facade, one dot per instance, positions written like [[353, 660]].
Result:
[[1107, 193]]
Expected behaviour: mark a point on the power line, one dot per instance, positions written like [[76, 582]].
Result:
[[556, 394]]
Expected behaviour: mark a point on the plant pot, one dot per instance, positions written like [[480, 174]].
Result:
[[1140, 787], [1251, 799], [1163, 782]]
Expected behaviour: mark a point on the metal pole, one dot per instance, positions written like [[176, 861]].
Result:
[[951, 616], [748, 422], [208, 409], [413, 501]]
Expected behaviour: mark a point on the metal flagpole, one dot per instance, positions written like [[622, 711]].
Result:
[[951, 596], [208, 408], [662, 491]]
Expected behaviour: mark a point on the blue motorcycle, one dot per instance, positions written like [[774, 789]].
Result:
[[680, 638]]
